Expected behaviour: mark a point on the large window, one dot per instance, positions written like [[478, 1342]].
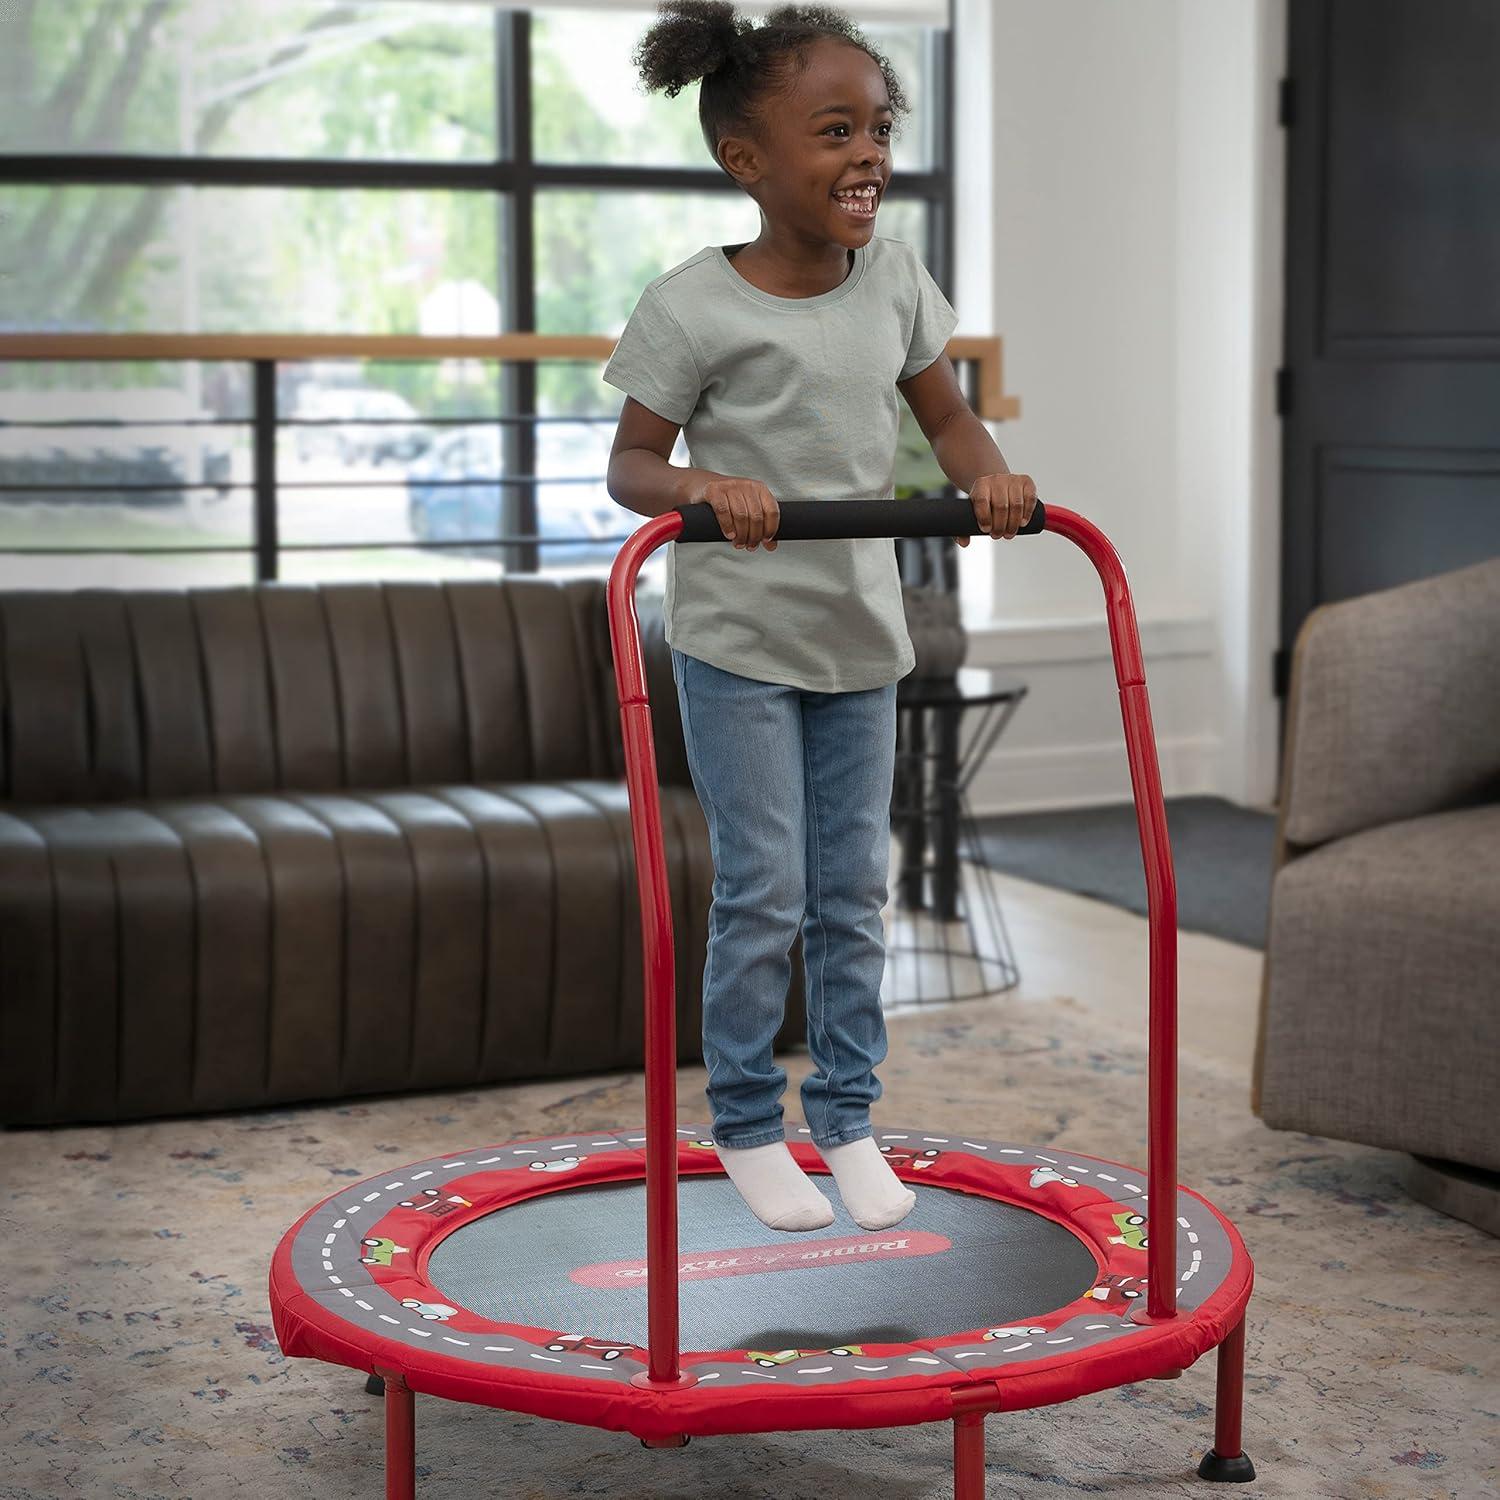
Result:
[[371, 167]]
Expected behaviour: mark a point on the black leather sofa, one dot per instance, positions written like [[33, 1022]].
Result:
[[296, 842]]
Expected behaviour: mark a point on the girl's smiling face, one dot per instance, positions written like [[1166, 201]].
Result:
[[828, 131]]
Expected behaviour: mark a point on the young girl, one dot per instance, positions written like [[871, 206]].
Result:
[[781, 359]]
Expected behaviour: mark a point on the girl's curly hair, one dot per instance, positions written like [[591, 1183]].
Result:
[[743, 66]]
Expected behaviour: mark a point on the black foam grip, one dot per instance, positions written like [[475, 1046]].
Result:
[[826, 520]]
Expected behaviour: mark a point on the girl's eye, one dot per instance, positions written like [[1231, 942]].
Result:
[[885, 127]]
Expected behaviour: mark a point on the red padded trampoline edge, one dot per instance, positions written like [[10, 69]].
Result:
[[650, 1414]]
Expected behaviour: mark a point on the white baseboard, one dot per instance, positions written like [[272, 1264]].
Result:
[[1009, 643], [1066, 747], [1060, 776]]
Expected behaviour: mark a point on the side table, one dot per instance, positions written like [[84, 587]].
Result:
[[937, 913]]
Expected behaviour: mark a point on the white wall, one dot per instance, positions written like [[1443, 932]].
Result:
[[1229, 313], [1131, 263]]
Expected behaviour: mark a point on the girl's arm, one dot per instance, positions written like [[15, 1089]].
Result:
[[966, 452], [641, 476], [960, 442]]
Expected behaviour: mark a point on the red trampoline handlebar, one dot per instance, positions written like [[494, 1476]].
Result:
[[663, 1370], [656, 943]]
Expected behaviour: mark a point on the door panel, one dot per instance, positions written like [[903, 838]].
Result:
[[1378, 508], [1391, 451]]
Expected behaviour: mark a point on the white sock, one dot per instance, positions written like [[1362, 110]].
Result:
[[780, 1194], [875, 1197]]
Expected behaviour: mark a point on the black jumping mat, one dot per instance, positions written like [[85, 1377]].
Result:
[[556, 1262]]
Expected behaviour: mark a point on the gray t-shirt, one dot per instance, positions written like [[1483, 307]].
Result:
[[799, 393]]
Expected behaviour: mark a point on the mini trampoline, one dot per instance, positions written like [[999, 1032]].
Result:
[[536, 1275]]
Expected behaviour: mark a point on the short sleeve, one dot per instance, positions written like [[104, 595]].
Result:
[[654, 362], [933, 324]]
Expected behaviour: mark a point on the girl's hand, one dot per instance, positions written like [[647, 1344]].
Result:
[[745, 509], [1003, 504]]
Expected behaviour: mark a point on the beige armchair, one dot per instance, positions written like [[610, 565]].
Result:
[[1380, 1001]]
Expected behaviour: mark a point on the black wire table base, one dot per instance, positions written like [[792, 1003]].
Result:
[[945, 933], [930, 961]]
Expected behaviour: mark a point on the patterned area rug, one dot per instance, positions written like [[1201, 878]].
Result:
[[139, 1362]]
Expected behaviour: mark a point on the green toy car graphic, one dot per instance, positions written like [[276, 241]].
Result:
[[786, 1356], [379, 1251]]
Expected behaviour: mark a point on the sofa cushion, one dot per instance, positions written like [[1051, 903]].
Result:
[[112, 695], [1383, 1009], [195, 954]]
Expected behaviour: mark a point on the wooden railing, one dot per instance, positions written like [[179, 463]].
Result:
[[990, 401], [265, 353]]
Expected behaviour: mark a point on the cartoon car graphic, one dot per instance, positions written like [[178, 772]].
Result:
[[1116, 1293], [581, 1343], [431, 1312], [786, 1356], [899, 1156], [379, 1250], [559, 1164], [1132, 1229], [1043, 1175], [1013, 1333], [431, 1200]]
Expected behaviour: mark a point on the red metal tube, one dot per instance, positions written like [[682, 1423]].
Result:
[[1161, 906], [400, 1438], [968, 1456], [656, 939], [1229, 1396]]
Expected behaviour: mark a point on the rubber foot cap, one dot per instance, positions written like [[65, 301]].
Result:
[[1236, 1470], [374, 1386], [678, 1442]]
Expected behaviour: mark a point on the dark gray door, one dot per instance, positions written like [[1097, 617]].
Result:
[[1391, 386]]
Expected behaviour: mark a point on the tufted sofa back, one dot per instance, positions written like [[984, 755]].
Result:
[[112, 695]]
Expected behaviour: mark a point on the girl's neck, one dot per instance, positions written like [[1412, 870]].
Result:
[[782, 275]]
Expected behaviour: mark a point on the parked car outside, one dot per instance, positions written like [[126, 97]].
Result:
[[453, 496], [131, 447], [380, 426]]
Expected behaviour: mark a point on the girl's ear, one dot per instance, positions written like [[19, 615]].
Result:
[[741, 159]]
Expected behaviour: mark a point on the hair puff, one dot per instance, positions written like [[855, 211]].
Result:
[[742, 65]]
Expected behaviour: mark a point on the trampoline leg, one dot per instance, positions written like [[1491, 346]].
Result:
[[400, 1440], [1226, 1461], [968, 1456]]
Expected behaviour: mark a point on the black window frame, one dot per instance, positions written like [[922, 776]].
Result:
[[515, 178]]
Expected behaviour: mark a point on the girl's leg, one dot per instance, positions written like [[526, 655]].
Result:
[[744, 750], [849, 751], [849, 742]]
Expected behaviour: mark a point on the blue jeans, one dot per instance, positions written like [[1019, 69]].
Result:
[[796, 788]]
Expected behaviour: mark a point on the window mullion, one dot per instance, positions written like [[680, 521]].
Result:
[[518, 379]]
